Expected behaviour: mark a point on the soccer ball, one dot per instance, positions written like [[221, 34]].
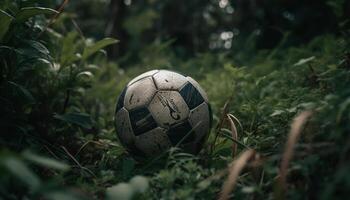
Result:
[[160, 109]]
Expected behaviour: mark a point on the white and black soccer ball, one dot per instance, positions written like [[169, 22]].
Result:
[[159, 109]]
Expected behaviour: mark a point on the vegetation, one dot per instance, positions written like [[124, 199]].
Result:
[[58, 92]]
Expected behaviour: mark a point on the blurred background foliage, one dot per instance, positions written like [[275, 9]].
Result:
[[61, 72]]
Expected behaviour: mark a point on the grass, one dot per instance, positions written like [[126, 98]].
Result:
[[61, 142], [265, 97]]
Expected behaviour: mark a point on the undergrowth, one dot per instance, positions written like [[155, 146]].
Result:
[[58, 94]]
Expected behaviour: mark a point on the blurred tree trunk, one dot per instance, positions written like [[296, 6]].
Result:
[[117, 12]]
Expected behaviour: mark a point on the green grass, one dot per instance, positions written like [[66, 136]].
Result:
[[59, 140], [265, 95]]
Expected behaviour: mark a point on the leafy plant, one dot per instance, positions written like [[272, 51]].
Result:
[[41, 83], [58, 97]]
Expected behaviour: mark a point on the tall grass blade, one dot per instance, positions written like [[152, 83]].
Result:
[[234, 170]]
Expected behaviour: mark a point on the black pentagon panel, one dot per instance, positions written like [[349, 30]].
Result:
[[191, 96], [178, 132], [210, 116], [120, 102], [134, 150], [141, 120]]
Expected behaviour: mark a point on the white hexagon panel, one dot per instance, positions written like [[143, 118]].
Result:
[[140, 93], [141, 76], [153, 142], [168, 108], [200, 120], [168, 80], [124, 128]]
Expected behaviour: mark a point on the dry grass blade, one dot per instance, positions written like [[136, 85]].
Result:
[[234, 170], [223, 115], [293, 137], [220, 124], [236, 119], [234, 135]]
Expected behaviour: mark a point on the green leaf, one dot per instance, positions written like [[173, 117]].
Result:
[[90, 50], [5, 21], [69, 48], [277, 112], [337, 6], [128, 166], [33, 49], [22, 93], [45, 162], [38, 46], [343, 107], [28, 12], [22, 172], [304, 60], [81, 119]]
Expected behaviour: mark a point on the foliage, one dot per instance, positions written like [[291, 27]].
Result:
[[58, 93], [43, 76]]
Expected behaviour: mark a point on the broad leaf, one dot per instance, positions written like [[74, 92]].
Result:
[[5, 21], [127, 167], [69, 49], [38, 46], [33, 49], [90, 50], [21, 92], [81, 119], [28, 12], [45, 162], [22, 172]]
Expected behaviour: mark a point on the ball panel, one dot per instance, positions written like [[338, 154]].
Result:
[[199, 88], [168, 108], [120, 103], [168, 80], [139, 94], [159, 109], [144, 75], [177, 132], [123, 126], [200, 121], [210, 116], [191, 95], [141, 120], [135, 150], [153, 142]]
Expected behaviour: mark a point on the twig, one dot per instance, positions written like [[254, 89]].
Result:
[[75, 24], [59, 11], [76, 161], [88, 142], [52, 153]]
